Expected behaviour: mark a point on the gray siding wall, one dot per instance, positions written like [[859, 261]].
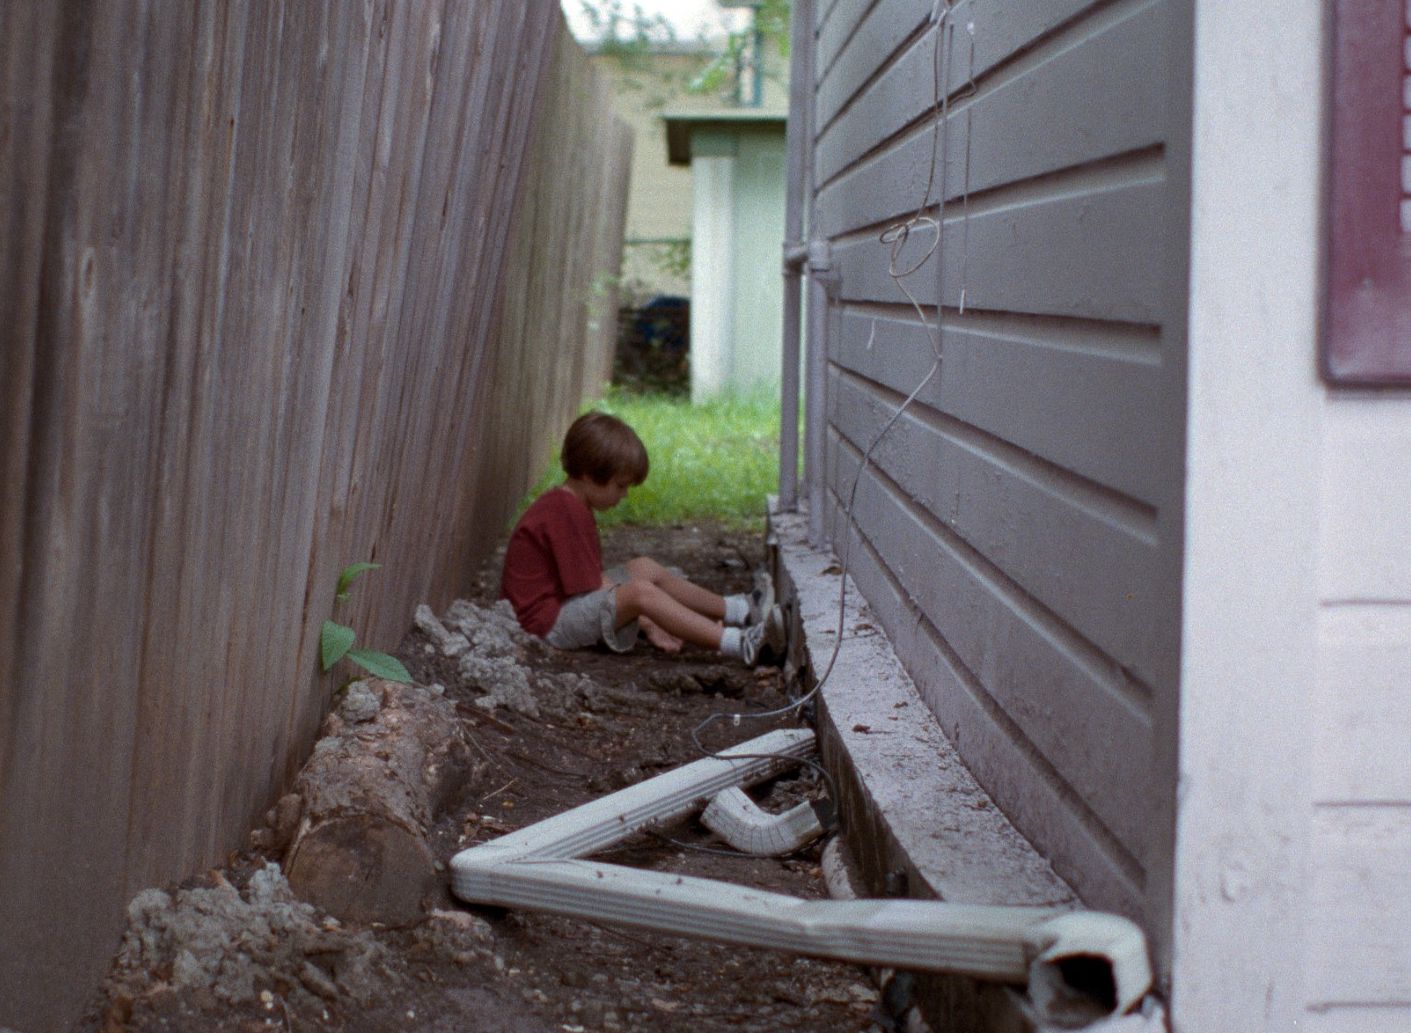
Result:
[[1019, 526]]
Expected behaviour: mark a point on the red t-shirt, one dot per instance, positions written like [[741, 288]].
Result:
[[553, 554]]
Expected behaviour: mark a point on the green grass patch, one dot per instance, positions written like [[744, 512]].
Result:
[[713, 461]]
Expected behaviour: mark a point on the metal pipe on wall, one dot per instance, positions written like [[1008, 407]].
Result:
[[820, 275], [799, 178]]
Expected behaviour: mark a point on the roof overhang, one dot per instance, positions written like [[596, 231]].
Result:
[[681, 126]]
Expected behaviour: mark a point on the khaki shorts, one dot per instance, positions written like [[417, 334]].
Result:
[[587, 619]]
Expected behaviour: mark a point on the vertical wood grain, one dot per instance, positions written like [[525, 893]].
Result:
[[256, 298]]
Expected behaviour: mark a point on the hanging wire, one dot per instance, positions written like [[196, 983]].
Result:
[[896, 237]]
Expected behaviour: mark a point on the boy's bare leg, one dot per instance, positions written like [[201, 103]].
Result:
[[659, 636], [702, 600], [644, 599]]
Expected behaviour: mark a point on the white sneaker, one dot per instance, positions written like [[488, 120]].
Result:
[[761, 597], [770, 634]]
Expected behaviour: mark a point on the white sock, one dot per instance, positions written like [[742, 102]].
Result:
[[737, 610], [731, 641]]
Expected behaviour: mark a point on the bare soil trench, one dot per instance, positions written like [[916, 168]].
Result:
[[235, 950]]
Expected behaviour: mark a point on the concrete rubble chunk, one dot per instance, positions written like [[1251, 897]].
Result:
[[451, 644], [503, 680], [228, 942], [360, 703], [489, 627]]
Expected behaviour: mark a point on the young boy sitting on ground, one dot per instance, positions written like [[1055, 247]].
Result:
[[554, 578]]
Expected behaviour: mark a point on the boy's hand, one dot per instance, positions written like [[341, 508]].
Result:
[[659, 636]]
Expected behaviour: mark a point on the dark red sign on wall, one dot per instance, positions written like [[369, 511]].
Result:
[[1367, 321]]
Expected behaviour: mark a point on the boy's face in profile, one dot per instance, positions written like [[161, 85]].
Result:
[[605, 496]]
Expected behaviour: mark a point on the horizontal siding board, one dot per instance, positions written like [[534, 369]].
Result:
[[834, 22], [1029, 792], [1020, 257], [1034, 385], [1359, 907], [1098, 745], [906, 90], [1362, 712], [1093, 575], [1364, 549], [1370, 1018], [1080, 105], [824, 10], [850, 52]]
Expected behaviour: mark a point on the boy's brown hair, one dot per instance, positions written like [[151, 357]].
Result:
[[601, 447]]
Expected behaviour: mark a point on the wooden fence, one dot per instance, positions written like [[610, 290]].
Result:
[[284, 287]]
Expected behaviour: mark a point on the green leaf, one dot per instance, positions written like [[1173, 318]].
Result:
[[334, 642], [348, 575], [380, 665]]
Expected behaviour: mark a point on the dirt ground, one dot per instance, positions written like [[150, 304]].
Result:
[[277, 964]]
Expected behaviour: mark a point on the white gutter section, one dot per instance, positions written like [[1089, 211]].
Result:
[[738, 820], [609, 820], [1080, 966]]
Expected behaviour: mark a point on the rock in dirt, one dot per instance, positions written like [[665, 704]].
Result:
[[564, 694], [359, 703], [230, 943], [450, 643], [502, 679], [457, 936], [492, 630], [492, 659], [367, 799], [711, 679]]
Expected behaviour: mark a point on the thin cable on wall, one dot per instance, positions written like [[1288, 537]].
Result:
[[895, 237]]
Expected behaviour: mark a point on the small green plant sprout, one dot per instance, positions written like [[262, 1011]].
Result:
[[336, 640], [347, 576]]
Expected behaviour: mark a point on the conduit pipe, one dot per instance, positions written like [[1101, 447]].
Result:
[[738, 820], [820, 281], [1079, 966], [799, 142]]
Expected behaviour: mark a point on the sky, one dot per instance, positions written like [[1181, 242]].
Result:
[[690, 18]]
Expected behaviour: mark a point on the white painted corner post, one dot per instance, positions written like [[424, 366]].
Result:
[[1249, 658], [712, 263]]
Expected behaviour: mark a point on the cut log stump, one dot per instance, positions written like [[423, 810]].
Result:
[[358, 818]]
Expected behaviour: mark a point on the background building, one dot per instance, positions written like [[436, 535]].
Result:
[[706, 202]]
